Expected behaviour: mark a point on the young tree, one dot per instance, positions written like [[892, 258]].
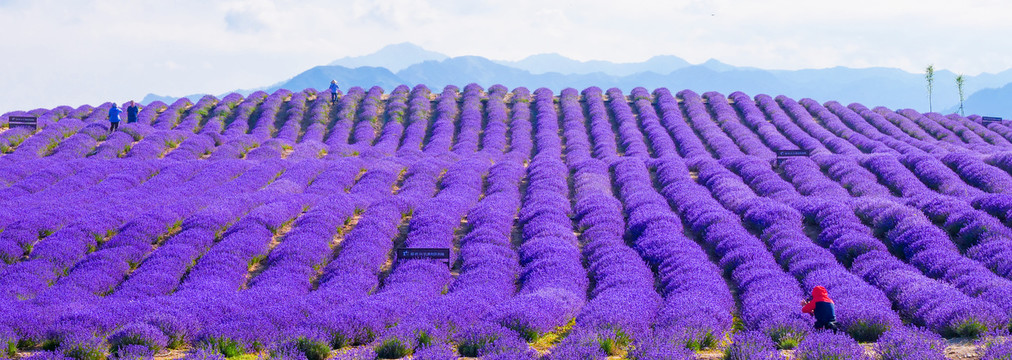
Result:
[[930, 76], [959, 85]]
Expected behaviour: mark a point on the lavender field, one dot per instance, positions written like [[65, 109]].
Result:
[[582, 225]]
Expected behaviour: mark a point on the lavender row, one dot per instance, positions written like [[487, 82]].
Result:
[[865, 312], [354, 272], [690, 146], [605, 144], [929, 249], [521, 137], [470, 121], [698, 307], [101, 270], [928, 302], [756, 120], [417, 121], [369, 120], [66, 245], [412, 283], [768, 295], [712, 135], [660, 142], [727, 118], [622, 302], [393, 128], [979, 236], [633, 143], [494, 136], [488, 269], [440, 135]]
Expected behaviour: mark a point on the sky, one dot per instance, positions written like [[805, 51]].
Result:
[[91, 51]]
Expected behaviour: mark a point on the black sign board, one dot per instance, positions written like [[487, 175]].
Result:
[[784, 154], [791, 153], [990, 119], [425, 253], [23, 121]]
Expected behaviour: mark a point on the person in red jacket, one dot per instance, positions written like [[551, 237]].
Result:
[[822, 307]]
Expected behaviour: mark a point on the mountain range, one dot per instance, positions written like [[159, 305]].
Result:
[[410, 64]]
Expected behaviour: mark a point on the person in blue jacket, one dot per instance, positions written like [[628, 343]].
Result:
[[132, 112], [333, 91], [114, 112]]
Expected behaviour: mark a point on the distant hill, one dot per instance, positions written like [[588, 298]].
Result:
[[555, 63], [392, 57], [410, 64], [988, 102], [319, 78], [150, 98]]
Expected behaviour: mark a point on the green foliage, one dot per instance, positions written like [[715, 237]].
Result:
[[549, 339], [27, 248], [970, 329], [85, 351], [338, 340], [703, 340], [422, 339], [472, 347], [126, 150], [785, 337], [867, 332], [176, 341], [10, 349], [393, 348], [226, 346], [960, 81], [16, 140], [737, 324], [50, 147], [26, 344], [929, 75], [119, 343], [256, 260], [171, 143], [314, 349], [615, 342], [50, 344]]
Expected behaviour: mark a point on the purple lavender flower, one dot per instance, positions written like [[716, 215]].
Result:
[[998, 350], [904, 343], [138, 334], [748, 345], [204, 353], [821, 345]]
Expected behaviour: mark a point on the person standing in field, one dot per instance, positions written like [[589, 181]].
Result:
[[132, 112], [822, 307], [114, 117], [333, 91]]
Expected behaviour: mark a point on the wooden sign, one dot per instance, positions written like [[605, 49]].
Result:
[[23, 121]]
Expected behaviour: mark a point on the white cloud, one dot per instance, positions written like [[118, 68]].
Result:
[[97, 50]]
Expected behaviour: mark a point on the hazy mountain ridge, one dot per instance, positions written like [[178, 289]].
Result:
[[893, 88]]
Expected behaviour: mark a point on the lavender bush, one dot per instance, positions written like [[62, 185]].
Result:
[[581, 224]]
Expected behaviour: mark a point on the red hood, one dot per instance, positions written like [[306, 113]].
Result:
[[819, 293]]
